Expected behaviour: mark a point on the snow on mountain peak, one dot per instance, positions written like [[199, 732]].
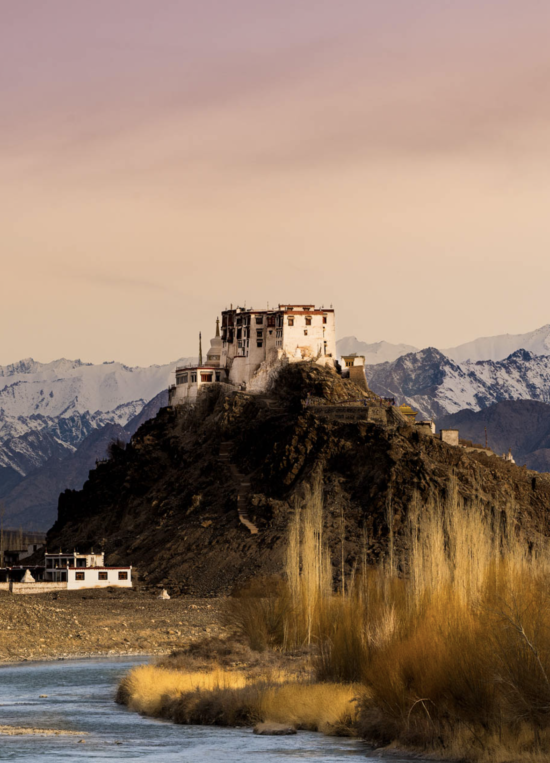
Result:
[[376, 352], [500, 347]]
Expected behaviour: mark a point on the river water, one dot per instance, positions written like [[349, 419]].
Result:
[[80, 697]]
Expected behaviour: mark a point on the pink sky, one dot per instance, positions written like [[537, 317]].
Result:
[[160, 160]]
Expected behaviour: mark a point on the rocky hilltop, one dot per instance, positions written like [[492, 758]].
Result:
[[200, 499]]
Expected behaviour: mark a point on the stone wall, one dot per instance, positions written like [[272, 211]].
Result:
[[351, 413], [32, 587]]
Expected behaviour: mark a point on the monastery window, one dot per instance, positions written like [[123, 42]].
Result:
[[259, 343], [324, 318], [218, 376], [308, 320], [102, 576], [193, 378], [239, 333], [259, 320], [122, 575], [305, 332], [291, 321], [81, 562], [270, 320], [259, 333], [80, 575], [206, 377]]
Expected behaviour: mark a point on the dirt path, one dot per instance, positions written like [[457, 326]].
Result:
[[89, 623]]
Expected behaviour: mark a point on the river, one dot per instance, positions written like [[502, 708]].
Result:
[[80, 697]]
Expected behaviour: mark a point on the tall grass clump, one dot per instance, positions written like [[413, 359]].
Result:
[[449, 635], [231, 698]]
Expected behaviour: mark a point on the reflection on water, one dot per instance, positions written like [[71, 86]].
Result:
[[80, 697]]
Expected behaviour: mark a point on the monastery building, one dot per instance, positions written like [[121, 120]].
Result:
[[253, 344]]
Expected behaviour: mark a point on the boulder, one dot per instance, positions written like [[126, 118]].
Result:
[[269, 728]]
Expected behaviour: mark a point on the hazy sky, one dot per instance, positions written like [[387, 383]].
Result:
[[160, 159]]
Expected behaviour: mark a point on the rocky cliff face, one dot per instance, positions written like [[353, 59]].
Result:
[[168, 502]]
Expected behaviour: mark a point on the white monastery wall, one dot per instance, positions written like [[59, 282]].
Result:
[[96, 577]]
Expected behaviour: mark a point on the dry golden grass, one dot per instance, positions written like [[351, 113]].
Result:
[[318, 707], [145, 687], [451, 638], [230, 698]]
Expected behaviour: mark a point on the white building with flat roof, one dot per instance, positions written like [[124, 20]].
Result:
[[84, 571], [252, 342]]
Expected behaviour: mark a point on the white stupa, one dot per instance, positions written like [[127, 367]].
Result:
[[214, 354]]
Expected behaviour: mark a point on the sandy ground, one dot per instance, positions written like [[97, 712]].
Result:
[[16, 731], [107, 622]]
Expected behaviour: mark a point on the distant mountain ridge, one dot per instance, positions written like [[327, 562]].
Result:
[[32, 500], [500, 347], [377, 352], [484, 348], [47, 410], [436, 385]]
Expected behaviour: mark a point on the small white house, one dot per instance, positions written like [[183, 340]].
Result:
[[98, 577], [85, 571]]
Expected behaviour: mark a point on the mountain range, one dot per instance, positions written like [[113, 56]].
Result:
[[58, 418], [435, 385], [485, 348]]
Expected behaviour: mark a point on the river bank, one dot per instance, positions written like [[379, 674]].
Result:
[[80, 697], [79, 624]]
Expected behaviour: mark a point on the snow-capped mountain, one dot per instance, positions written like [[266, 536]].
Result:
[[48, 409], [485, 348], [66, 386], [500, 347], [436, 385], [377, 352]]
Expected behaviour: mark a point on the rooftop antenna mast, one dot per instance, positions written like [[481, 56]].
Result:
[[200, 349]]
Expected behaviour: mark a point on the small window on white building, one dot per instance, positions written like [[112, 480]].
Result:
[[193, 378], [80, 576], [308, 320], [324, 318], [305, 332], [259, 320], [102, 576], [122, 575], [259, 343], [291, 321], [259, 333]]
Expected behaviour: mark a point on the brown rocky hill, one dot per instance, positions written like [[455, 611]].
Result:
[[173, 501], [522, 425]]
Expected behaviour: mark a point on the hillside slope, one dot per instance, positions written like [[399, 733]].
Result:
[[167, 503], [522, 425]]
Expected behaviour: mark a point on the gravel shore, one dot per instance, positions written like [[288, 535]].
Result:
[[93, 623]]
